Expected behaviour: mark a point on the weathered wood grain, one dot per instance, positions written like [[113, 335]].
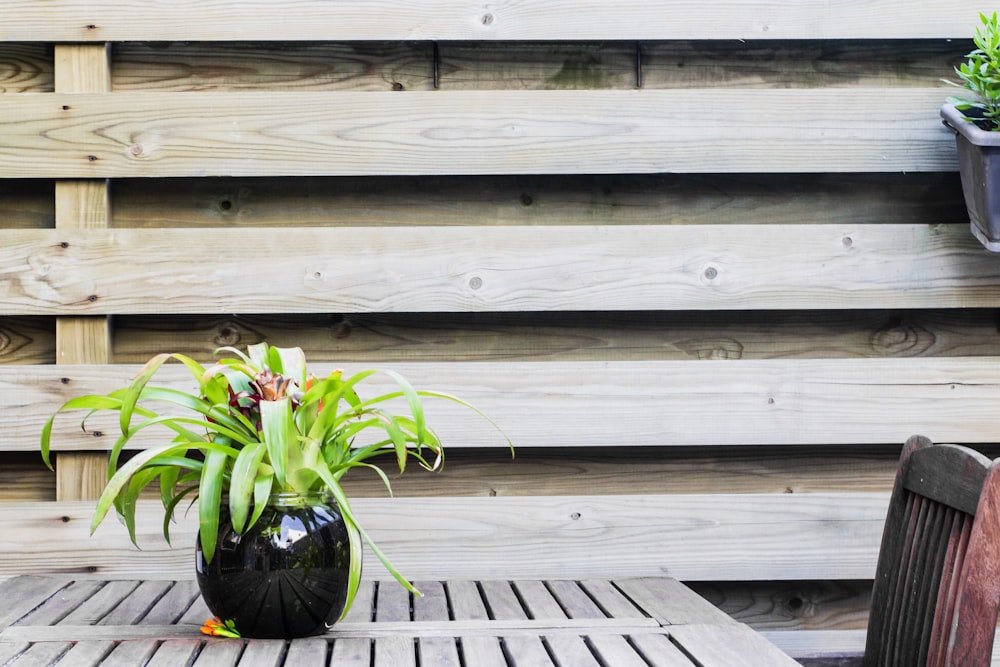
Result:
[[792, 605], [688, 64], [193, 66], [513, 269], [471, 132], [537, 65], [693, 537], [623, 404], [653, 471], [841, 63], [670, 602], [26, 68], [27, 340], [163, 20], [571, 336], [27, 203], [722, 648], [605, 199], [81, 205]]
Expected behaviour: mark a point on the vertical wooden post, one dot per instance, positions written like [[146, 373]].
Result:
[[81, 204]]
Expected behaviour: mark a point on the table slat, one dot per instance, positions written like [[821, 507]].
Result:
[[538, 600], [219, 653], [393, 603], [101, 603], [612, 601], [8, 650], [171, 607], [175, 652], [87, 654], [527, 652], [352, 652], [395, 652], [433, 606], [42, 655], [438, 651], [734, 646], [615, 650], [306, 651], [263, 653], [22, 594], [466, 602], [483, 651], [130, 653], [58, 606], [573, 651], [659, 651], [578, 604], [362, 609], [138, 605], [669, 601], [502, 602]]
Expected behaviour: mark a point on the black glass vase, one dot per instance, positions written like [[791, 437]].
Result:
[[286, 576]]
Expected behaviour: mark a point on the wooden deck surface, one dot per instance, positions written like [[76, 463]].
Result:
[[651, 621]]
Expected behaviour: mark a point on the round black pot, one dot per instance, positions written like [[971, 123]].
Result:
[[284, 577]]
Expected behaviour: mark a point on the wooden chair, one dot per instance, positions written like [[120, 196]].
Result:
[[937, 584]]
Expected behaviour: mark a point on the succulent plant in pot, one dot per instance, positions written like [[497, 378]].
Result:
[[975, 120], [262, 445]]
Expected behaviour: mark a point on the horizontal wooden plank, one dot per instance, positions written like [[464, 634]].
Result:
[[556, 472], [514, 269], [553, 472], [636, 471], [606, 199], [690, 537], [194, 66], [472, 132], [561, 336], [76, 20], [609, 404], [201, 66]]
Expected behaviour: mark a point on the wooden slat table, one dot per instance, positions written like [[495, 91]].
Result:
[[642, 622]]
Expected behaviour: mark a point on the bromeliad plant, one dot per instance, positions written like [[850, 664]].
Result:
[[980, 75], [259, 424]]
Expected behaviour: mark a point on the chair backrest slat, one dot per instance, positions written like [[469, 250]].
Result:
[[934, 603], [958, 542]]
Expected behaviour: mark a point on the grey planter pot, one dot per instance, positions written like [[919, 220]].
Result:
[[979, 165]]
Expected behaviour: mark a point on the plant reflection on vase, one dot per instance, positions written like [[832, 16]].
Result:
[[284, 577]]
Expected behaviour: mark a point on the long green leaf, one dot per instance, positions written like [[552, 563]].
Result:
[[354, 568], [293, 363], [89, 402], [345, 507], [278, 431], [209, 499], [171, 507], [261, 492], [242, 481], [134, 390], [413, 399], [115, 485]]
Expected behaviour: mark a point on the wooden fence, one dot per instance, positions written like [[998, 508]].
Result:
[[706, 263]]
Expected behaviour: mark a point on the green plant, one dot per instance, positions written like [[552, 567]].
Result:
[[980, 74], [258, 424]]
